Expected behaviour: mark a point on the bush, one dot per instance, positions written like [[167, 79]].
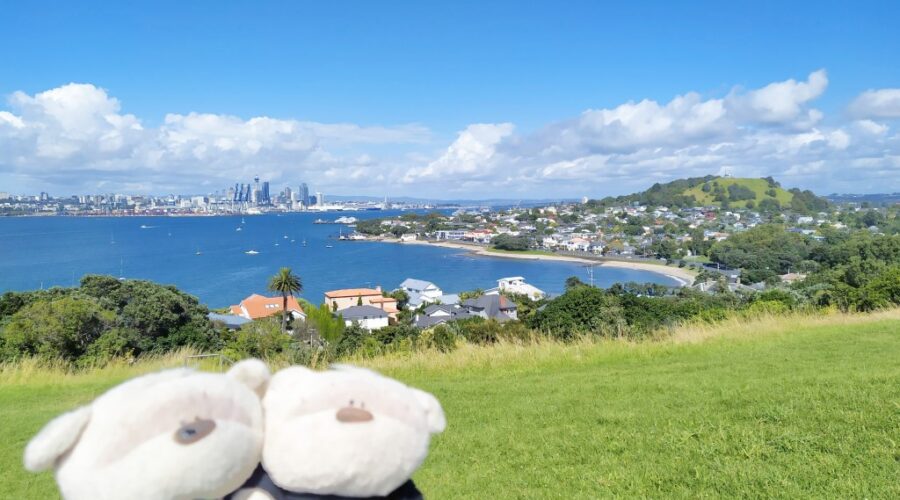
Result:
[[507, 242], [738, 192], [58, 328], [260, 338], [581, 310]]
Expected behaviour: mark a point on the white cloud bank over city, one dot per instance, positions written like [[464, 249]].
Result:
[[76, 138]]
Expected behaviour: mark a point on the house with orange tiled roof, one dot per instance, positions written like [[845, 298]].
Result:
[[257, 306], [338, 300]]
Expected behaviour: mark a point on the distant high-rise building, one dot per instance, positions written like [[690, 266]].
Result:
[[304, 194], [264, 194], [320, 198]]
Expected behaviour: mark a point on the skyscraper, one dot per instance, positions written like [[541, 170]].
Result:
[[304, 194], [264, 195]]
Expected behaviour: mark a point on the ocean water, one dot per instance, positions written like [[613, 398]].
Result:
[[40, 252]]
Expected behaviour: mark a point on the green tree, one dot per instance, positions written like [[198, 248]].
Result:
[[508, 242], [56, 328], [287, 284], [581, 310]]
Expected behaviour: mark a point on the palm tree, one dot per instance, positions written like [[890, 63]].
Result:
[[286, 283]]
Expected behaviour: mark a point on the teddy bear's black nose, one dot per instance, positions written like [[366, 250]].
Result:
[[351, 415]]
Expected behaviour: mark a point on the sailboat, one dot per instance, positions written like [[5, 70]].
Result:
[[198, 251], [304, 242]]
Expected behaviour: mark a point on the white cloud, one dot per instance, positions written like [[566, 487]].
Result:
[[467, 156], [77, 137], [883, 103], [781, 102], [77, 133]]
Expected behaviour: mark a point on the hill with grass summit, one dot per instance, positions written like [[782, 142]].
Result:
[[764, 194]]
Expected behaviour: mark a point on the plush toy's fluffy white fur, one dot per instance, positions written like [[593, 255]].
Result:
[[172, 434], [347, 431]]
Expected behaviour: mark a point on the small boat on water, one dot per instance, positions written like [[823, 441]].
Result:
[[304, 242], [238, 229], [285, 236], [251, 252], [329, 246], [145, 226]]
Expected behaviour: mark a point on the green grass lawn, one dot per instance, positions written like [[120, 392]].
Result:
[[758, 186], [800, 407]]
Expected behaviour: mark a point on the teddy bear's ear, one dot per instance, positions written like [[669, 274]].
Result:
[[55, 439], [253, 373], [436, 420]]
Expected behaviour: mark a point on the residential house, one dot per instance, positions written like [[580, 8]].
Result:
[[496, 307], [338, 300], [450, 234], [437, 314], [479, 235], [231, 321], [368, 317], [420, 292], [792, 277], [388, 305], [578, 245], [257, 306], [516, 285]]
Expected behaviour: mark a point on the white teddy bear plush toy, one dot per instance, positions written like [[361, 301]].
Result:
[[178, 434], [346, 432]]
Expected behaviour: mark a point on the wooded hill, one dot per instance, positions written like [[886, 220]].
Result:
[[764, 194]]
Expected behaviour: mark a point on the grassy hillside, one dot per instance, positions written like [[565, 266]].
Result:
[[788, 407], [758, 186], [694, 191]]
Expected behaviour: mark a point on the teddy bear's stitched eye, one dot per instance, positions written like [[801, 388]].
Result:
[[194, 431]]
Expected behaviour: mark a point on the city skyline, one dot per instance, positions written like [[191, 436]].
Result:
[[536, 101]]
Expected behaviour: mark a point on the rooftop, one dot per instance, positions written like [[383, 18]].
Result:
[[362, 312], [352, 292]]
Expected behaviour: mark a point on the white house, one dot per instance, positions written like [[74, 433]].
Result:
[[368, 317], [421, 292], [578, 245], [516, 285]]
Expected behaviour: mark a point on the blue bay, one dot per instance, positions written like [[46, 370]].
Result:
[[56, 251]]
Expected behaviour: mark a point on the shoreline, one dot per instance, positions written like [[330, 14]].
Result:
[[682, 276]]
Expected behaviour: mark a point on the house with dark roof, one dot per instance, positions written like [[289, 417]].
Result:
[[368, 317], [495, 306], [437, 314]]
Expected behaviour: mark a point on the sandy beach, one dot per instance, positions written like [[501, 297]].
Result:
[[682, 276]]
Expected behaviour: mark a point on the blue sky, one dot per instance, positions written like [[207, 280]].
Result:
[[408, 80]]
